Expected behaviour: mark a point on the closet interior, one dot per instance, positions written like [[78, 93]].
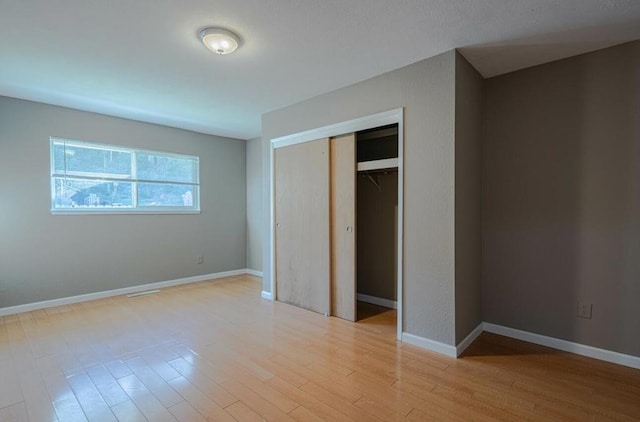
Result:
[[377, 220]]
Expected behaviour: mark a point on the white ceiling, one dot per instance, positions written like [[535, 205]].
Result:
[[143, 60]]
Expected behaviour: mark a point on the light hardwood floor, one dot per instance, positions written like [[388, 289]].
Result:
[[209, 351]]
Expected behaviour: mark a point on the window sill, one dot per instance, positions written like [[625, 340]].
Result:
[[122, 212]]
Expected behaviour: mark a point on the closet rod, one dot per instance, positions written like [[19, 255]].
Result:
[[376, 184]]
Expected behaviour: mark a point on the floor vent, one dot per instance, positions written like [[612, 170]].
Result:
[[148, 292]]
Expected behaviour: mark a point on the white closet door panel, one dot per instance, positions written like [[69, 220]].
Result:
[[343, 227], [302, 225]]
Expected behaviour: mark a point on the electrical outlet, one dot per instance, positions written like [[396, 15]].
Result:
[[199, 259], [585, 310]]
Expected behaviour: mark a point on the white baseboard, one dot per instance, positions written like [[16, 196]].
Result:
[[28, 307], [267, 295], [254, 272], [462, 346], [387, 303], [567, 346], [432, 345]]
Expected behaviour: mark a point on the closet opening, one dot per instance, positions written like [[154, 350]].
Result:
[[377, 227]]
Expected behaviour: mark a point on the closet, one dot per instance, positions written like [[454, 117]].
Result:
[[335, 218], [377, 216]]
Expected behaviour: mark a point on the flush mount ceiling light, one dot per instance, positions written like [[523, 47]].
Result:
[[220, 41]]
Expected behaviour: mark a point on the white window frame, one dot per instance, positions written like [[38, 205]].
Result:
[[135, 208]]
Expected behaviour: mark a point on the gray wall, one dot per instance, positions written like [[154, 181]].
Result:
[[468, 196], [426, 91], [254, 204], [562, 199], [43, 256], [376, 243]]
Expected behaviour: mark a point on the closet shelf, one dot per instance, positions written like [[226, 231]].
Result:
[[378, 164]]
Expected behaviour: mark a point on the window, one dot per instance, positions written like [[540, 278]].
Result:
[[91, 177]]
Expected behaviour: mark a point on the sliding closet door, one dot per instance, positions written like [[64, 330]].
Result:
[[343, 227], [302, 225]]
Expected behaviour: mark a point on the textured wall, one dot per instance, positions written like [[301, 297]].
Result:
[[44, 256], [562, 199], [468, 236], [254, 204], [426, 91]]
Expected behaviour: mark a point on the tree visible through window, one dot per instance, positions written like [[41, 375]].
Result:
[[87, 176]]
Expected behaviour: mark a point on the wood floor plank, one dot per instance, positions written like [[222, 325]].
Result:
[[339, 403], [150, 406], [153, 382], [338, 384], [242, 412], [68, 409], [199, 401], [9, 394], [159, 365], [302, 414], [269, 394], [257, 403], [281, 372], [91, 401], [208, 385], [127, 411], [108, 387], [36, 398], [308, 401], [118, 369], [374, 407], [183, 412], [418, 416], [57, 386], [16, 412], [381, 394]]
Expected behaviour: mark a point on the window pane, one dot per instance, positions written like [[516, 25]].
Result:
[[58, 157], [165, 168], [96, 162], [71, 193], [166, 195]]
